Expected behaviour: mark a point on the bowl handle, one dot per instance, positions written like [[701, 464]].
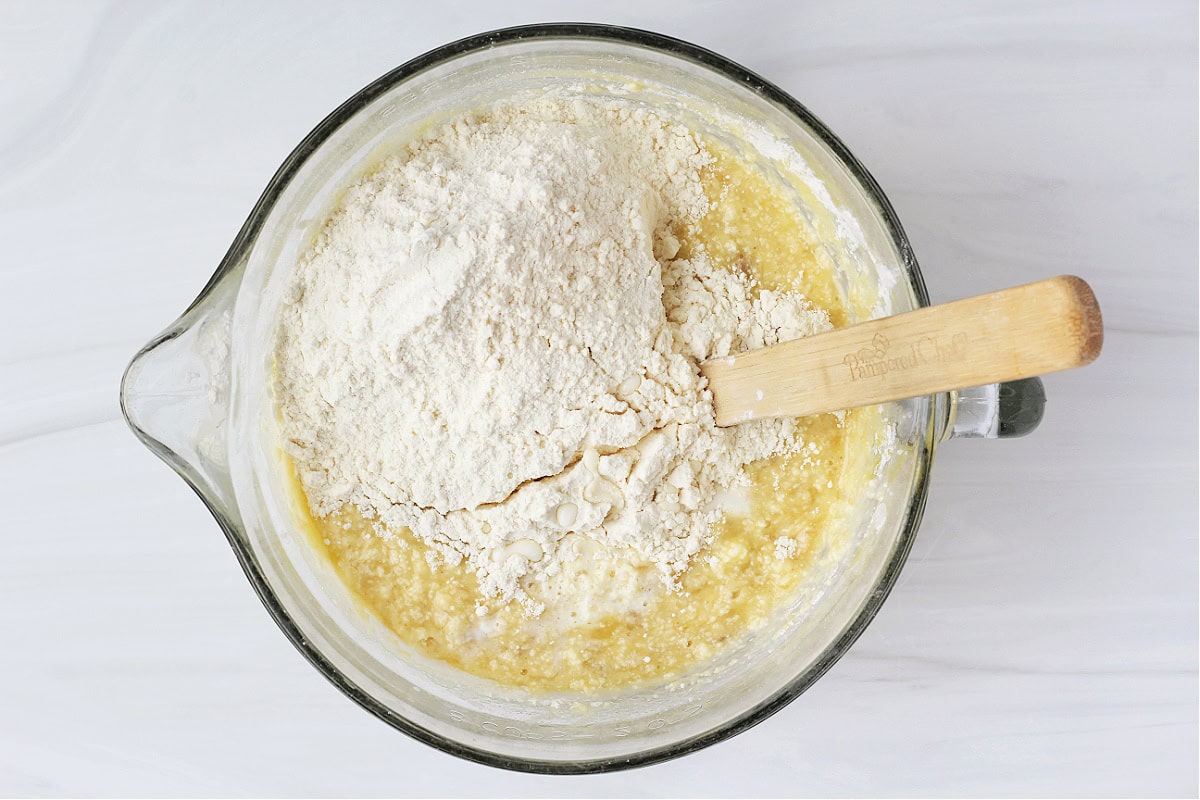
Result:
[[175, 395], [996, 411]]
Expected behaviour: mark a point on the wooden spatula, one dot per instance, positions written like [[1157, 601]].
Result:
[[1016, 333]]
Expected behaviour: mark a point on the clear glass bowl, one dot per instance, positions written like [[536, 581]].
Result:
[[198, 396]]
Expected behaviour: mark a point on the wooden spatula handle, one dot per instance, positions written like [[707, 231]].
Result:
[[1016, 333]]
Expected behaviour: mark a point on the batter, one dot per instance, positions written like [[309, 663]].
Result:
[[608, 614]]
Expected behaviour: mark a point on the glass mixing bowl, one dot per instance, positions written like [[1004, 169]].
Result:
[[198, 395]]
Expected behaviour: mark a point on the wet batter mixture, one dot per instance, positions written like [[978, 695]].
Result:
[[612, 611]]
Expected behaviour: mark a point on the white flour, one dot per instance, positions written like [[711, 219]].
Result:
[[491, 344]]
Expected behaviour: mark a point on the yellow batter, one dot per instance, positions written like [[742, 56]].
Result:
[[751, 569]]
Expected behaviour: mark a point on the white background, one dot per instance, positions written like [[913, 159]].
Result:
[[1043, 637]]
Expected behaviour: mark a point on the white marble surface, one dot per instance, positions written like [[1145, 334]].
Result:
[[1043, 638]]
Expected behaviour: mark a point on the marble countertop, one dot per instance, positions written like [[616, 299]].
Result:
[[1043, 637]]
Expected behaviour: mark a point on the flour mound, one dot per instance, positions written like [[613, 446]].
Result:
[[493, 343]]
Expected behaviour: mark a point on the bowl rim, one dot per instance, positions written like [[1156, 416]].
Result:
[[249, 231]]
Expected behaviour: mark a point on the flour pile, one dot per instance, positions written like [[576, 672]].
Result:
[[494, 343]]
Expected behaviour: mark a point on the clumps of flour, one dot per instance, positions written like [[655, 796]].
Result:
[[494, 343]]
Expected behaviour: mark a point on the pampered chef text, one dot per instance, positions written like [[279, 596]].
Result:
[[879, 358]]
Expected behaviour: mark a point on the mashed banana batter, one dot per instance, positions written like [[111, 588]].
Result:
[[604, 617]]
